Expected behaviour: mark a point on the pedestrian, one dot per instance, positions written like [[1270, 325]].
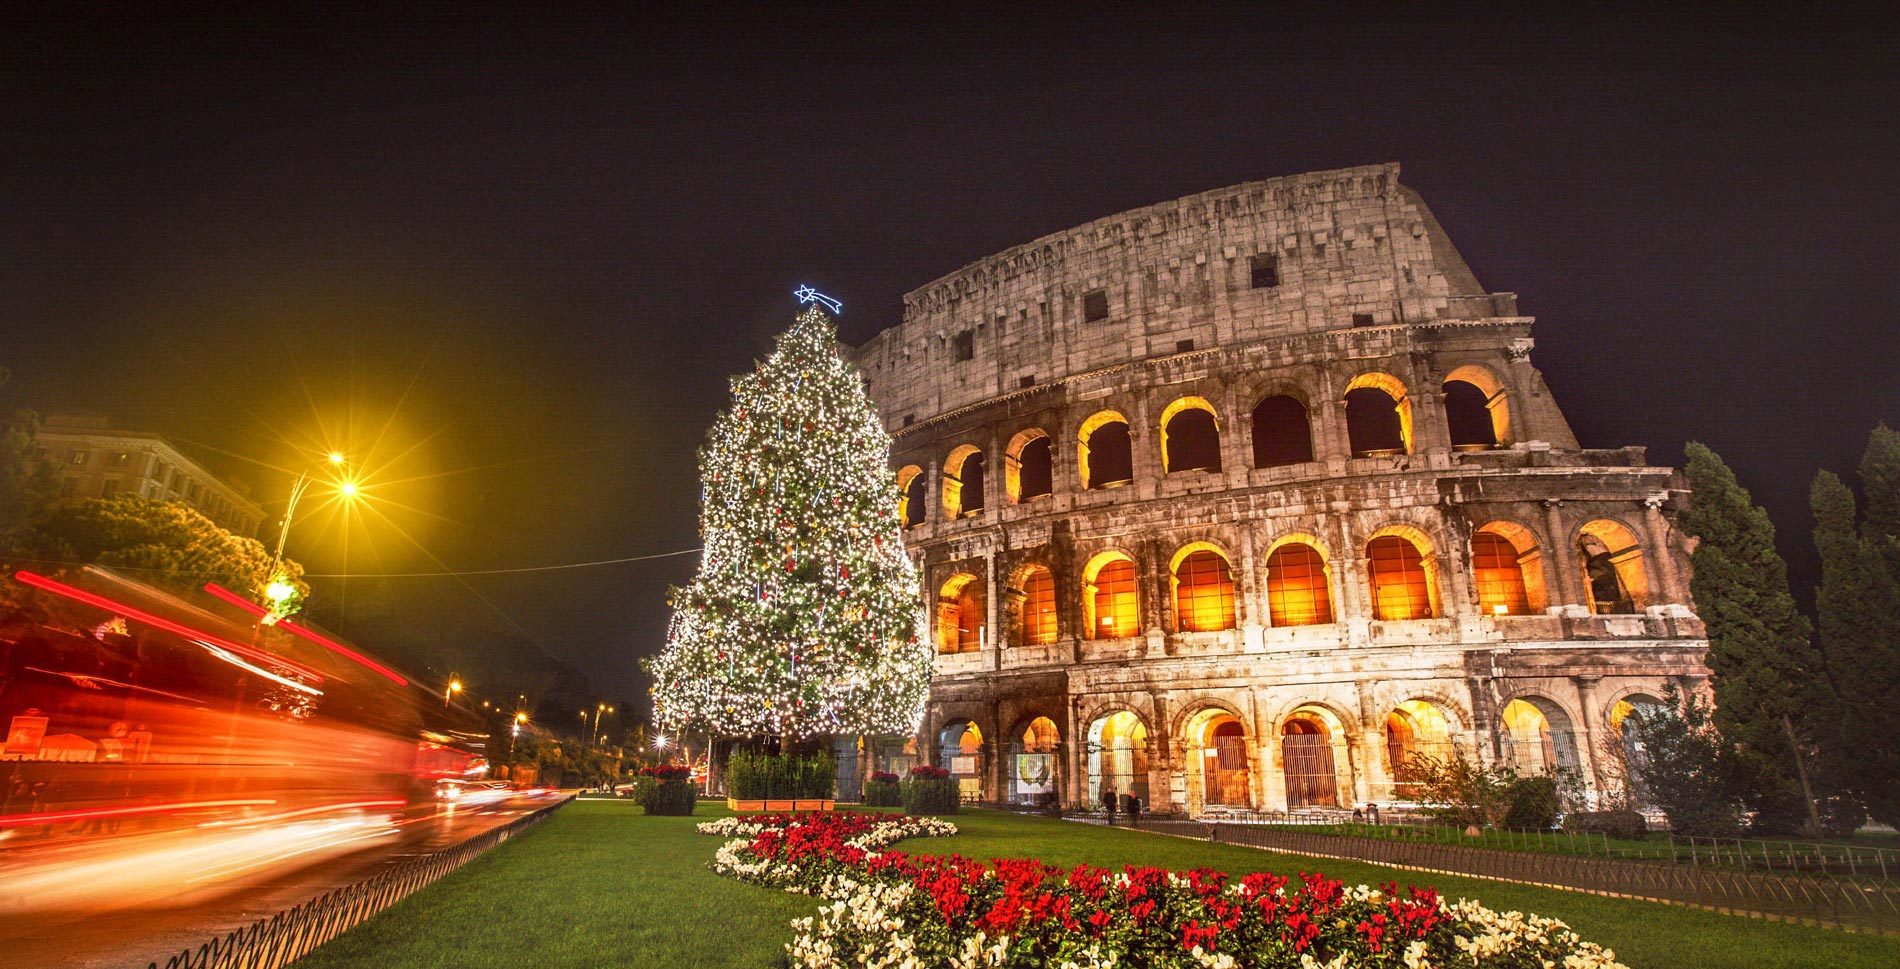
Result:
[[1108, 804]]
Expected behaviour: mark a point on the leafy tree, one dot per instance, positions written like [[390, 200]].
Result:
[[1765, 668], [164, 543], [1880, 484], [804, 616], [1858, 608], [27, 484], [1462, 790], [1685, 768]]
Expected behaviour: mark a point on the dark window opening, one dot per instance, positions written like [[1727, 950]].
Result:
[[1110, 458], [1362, 319], [1193, 442], [1468, 416], [1281, 434], [914, 501], [1183, 346], [965, 346], [1266, 271], [1036, 469], [910, 419], [1094, 306], [1026, 380], [971, 474], [1372, 423]]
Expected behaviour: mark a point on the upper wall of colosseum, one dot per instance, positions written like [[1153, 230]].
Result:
[[1253, 262]]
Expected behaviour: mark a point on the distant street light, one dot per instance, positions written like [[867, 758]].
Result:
[[602, 708], [455, 686]]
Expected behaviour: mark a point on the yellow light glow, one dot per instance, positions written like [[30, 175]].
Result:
[[455, 686], [521, 718], [336, 457], [279, 590], [347, 489]]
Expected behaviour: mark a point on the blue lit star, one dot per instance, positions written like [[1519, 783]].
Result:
[[806, 294]]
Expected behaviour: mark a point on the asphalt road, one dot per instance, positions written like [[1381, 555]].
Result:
[[117, 921]]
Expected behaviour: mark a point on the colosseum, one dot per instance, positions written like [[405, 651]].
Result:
[[1244, 501]]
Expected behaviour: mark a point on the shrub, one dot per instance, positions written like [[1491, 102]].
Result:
[[1464, 792], [1686, 767], [929, 790], [667, 789], [1533, 803], [752, 775], [1617, 824], [881, 790]]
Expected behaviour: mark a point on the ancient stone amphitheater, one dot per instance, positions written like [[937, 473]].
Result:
[[1246, 500]]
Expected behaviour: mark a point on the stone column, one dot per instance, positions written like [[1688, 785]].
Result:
[[1657, 529], [1563, 564], [1587, 735], [1429, 430], [1075, 782]]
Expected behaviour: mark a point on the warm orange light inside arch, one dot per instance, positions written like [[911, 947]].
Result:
[[1297, 586], [1203, 590], [1401, 584], [960, 615], [1038, 620], [1109, 597]]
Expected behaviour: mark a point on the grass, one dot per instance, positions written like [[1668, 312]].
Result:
[[600, 885]]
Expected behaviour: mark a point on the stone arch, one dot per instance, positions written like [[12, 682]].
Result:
[[910, 495], [1315, 756], [1614, 569], [1282, 431], [1479, 417], [1032, 589], [1104, 454], [1029, 466], [1621, 745], [1378, 415], [1416, 728], [962, 749], [1537, 734], [1201, 582], [1111, 596], [1219, 765], [1402, 573], [961, 614], [1507, 569], [1190, 436], [963, 482], [1116, 760]]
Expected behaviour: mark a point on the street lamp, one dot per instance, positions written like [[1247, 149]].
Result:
[[455, 686], [598, 710], [521, 717], [279, 590]]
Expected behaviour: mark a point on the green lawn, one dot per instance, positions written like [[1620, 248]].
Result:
[[602, 885]]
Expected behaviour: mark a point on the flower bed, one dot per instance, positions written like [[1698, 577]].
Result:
[[891, 909], [928, 790]]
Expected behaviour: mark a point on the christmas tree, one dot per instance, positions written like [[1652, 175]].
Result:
[[804, 616]]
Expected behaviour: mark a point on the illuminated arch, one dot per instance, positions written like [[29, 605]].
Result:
[[1299, 583], [910, 495], [1537, 735], [1040, 734], [1282, 432], [1378, 415], [963, 482], [1312, 738], [1190, 436], [1028, 466], [1203, 587], [1110, 596], [960, 614], [1104, 455], [1415, 729], [1615, 576], [1036, 616], [1118, 756], [1479, 416], [1627, 705], [1507, 570], [1218, 763], [1402, 573]]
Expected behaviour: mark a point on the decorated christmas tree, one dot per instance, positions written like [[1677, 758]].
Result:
[[804, 617]]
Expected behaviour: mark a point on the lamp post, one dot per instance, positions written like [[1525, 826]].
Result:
[[602, 708], [454, 687], [347, 489], [520, 718]]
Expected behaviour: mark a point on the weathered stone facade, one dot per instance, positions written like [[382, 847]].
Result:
[[1283, 597]]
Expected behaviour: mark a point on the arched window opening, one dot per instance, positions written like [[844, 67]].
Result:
[[1468, 417], [1033, 766], [1040, 735], [1378, 416], [1611, 559], [1028, 467], [1190, 437], [1400, 586], [1106, 456], [1118, 757], [1312, 777], [1297, 586], [1537, 736], [1203, 592], [960, 615], [910, 503], [1109, 597], [1499, 576], [1477, 409], [1282, 435], [1225, 778], [963, 482], [1630, 750], [960, 751], [1039, 607], [1416, 730]]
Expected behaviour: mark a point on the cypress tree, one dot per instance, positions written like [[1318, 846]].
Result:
[[1761, 657], [1880, 485]]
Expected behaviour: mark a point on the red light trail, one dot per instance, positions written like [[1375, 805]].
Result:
[[327, 643]]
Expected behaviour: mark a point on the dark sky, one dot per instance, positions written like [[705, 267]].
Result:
[[534, 246]]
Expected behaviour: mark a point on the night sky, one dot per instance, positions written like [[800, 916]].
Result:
[[509, 260]]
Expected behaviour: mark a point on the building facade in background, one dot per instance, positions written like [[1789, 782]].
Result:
[[1247, 500], [94, 460]]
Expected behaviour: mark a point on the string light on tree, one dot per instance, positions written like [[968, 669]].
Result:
[[804, 617]]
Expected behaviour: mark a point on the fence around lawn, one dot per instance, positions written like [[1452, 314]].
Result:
[[1863, 901], [295, 932]]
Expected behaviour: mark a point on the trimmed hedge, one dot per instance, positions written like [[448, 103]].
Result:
[[751, 776], [667, 789], [929, 790], [881, 791]]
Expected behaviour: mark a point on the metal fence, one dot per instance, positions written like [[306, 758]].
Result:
[[293, 933], [1865, 903]]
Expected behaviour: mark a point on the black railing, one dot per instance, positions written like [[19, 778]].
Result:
[[295, 932], [1865, 903]]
